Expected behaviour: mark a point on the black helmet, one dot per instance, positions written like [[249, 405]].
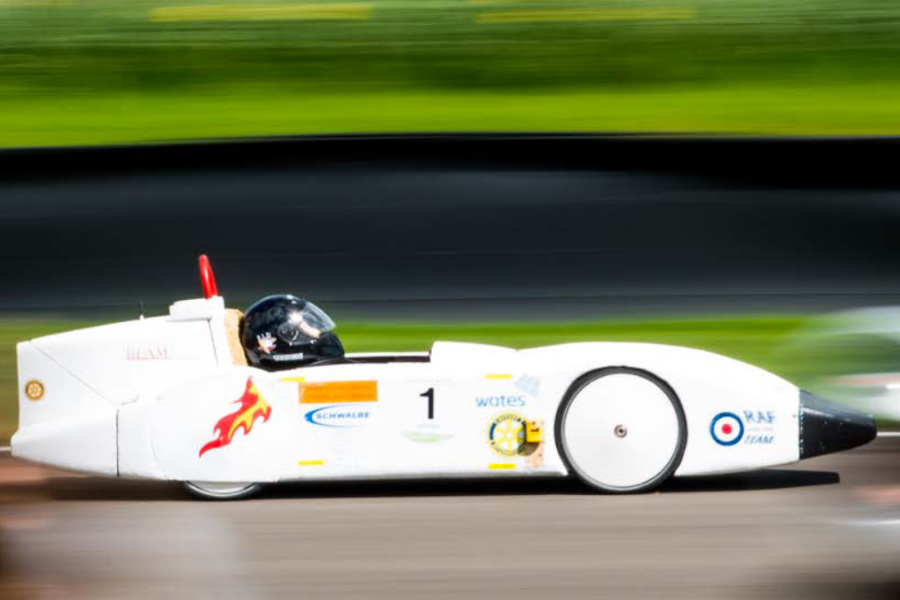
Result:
[[281, 332]]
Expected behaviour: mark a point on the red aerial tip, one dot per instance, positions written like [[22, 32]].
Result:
[[207, 279]]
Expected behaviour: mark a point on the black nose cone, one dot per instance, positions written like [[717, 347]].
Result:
[[826, 427]]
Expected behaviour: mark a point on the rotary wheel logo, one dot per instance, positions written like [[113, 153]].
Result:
[[727, 429], [506, 434], [34, 389]]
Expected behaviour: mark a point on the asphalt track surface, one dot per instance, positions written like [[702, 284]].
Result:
[[458, 227], [826, 528]]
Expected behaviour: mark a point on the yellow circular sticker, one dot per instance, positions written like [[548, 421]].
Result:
[[34, 389], [506, 434]]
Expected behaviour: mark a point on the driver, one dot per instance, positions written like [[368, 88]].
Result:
[[283, 332]]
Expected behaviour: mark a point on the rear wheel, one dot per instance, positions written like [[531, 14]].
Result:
[[621, 430], [211, 490]]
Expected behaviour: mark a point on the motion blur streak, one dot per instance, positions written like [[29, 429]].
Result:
[[97, 71], [575, 14], [510, 227], [261, 12]]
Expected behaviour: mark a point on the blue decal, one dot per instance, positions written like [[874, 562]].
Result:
[[724, 435], [760, 439], [337, 415], [760, 417], [500, 401]]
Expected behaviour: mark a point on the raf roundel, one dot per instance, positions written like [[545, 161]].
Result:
[[727, 429]]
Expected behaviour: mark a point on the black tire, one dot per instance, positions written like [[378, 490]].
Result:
[[577, 386], [203, 490]]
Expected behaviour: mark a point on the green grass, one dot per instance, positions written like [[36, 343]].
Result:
[[754, 339], [155, 116], [101, 71]]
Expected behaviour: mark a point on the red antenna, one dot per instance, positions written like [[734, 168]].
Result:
[[207, 279]]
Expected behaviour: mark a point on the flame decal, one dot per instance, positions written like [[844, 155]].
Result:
[[252, 406]]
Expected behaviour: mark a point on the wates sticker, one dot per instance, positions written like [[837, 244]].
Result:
[[500, 401]]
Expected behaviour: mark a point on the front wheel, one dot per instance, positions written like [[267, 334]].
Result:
[[621, 430], [210, 490]]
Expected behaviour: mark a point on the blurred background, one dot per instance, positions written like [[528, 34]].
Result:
[[97, 71], [719, 174]]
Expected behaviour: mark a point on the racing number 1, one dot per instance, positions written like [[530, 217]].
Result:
[[430, 395]]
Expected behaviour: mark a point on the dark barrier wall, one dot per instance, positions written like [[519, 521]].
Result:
[[458, 226]]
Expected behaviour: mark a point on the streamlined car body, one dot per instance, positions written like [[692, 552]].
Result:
[[173, 398]]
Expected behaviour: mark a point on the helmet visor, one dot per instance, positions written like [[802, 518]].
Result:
[[307, 322]]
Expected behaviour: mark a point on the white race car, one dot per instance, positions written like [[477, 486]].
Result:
[[174, 398]]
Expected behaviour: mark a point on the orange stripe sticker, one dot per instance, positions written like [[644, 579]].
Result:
[[338, 392]]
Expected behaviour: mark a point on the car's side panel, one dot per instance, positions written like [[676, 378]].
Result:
[[85, 442], [343, 421], [136, 458], [461, 414], [125, 360], [371, 433], [213, 428], [59, 394], [429, 420], [62, 421], [759, 410], [72, 384]]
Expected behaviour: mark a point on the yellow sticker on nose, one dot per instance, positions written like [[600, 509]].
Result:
[[34, 389]]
